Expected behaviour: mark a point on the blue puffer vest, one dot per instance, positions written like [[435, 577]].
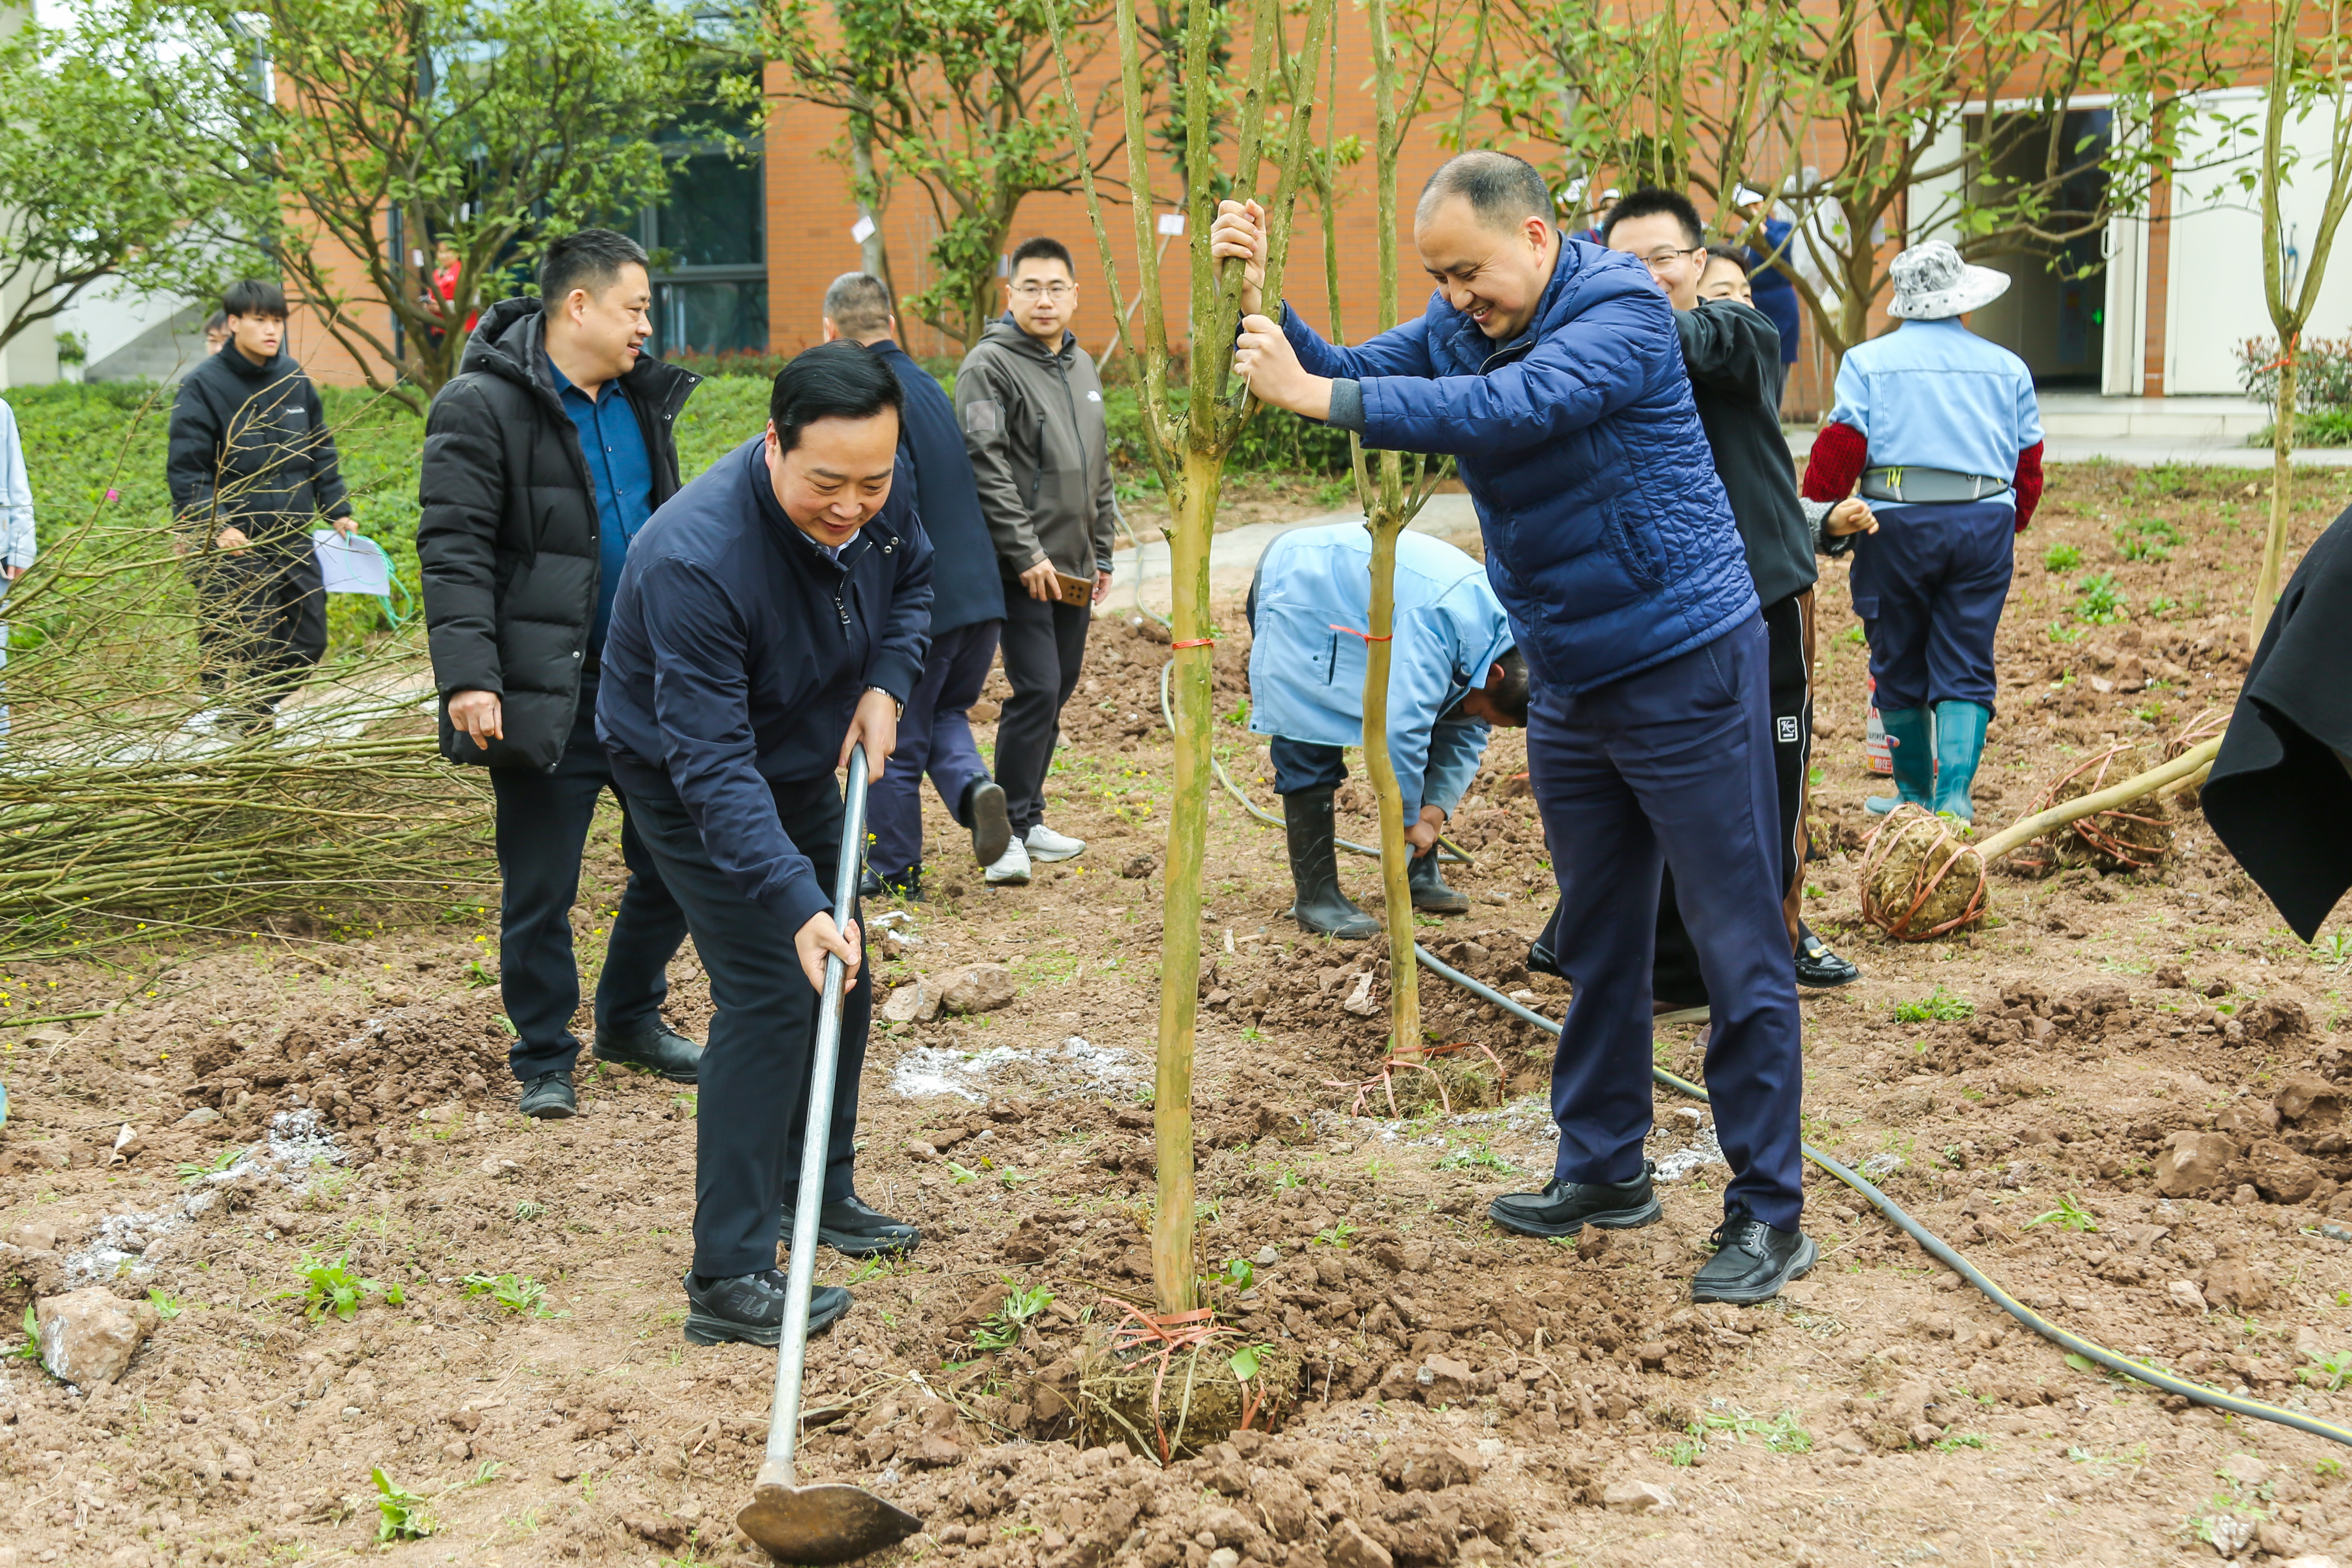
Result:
[[1608, 539]]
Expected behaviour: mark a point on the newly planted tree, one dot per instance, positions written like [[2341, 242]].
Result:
[[1392, 487], [1189, 430], [2307, 81]]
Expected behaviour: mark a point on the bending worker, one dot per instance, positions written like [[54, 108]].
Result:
[[1551, 369], [1452, 673], [771, 615], [1942, 430]]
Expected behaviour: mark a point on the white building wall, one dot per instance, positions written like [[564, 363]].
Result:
[[2214, 301]]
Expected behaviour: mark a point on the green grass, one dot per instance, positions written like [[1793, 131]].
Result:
[[2060, 558], [400, 1513]]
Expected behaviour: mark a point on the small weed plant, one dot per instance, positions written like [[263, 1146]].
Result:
[[1337, 1236], [2098, 601], [400, 1512], [1938, 1006], [31, 1348], [193, 1171], [517, 1294], [2060, 558], [2068, 1216], [1003, 1326], [331, 1287]]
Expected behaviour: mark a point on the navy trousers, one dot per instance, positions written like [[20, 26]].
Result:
[[751, 1100], [934, 737], [1305, 765], [542, 827], [1929, 586], [1673, 766]]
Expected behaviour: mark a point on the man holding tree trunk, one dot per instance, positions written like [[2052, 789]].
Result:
[[1551, 369]]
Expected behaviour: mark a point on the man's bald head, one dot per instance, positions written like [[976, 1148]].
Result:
[[1502, 190]]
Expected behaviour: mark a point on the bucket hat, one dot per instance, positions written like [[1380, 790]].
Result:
[[1932, 283]]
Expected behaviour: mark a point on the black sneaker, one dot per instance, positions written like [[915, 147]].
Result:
[[1752, 1261], [1565, 1208], [549, 1097], [852, 1228], [656, 1048], [1817, 966], [992, 823], [750, 1308]]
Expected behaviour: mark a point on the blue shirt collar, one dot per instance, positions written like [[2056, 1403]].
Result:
[[564, 383]]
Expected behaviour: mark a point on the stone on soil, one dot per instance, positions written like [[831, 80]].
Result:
[[1636, 1497], [917, 1001], [88, 1336], [2192, 1163], [976, 987]]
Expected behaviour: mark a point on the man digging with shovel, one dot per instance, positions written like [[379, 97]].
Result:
[[772, 616]]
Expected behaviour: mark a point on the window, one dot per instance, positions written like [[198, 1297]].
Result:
[[708, 245]]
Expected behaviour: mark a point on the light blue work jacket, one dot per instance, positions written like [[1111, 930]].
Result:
[[1932, 394], [1307, 679]]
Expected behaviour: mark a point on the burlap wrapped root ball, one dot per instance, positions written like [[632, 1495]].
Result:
[[1920, 879]]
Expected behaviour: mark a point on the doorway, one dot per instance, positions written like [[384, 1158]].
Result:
[[2055, 315]]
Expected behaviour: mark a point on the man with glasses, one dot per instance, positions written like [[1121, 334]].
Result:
[[1730, 350], [1031, 411]]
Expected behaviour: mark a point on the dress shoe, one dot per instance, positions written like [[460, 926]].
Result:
[[1565, 1208], [1752, 1261]]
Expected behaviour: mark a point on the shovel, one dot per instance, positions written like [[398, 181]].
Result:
[[832, 1522]]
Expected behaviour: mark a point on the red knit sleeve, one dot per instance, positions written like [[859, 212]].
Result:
[[2028, 483], [1839, 453]]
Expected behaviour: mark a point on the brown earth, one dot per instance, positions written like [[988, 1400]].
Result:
[[2152, 1049]]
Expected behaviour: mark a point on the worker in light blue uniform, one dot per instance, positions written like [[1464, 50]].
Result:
[[1453, 673], [1941, 430]]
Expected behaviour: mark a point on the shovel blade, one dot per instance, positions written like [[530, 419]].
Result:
[[830, 1522]]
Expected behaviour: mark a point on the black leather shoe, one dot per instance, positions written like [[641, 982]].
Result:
[[1430, 895], [656, 1048], [750, 1308], [1543, 953], [852, 1228], [991, 824], [1752, 1261], [1565, 1208], [1817, 966], [549, 1097]]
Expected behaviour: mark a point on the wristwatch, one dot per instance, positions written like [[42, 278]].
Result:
[[899, 707]]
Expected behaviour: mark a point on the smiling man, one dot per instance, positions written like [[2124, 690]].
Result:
[[773, 615], [542, 456], [1550, 368]]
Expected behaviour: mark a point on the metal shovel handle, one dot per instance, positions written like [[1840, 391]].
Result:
[[800, 1277]]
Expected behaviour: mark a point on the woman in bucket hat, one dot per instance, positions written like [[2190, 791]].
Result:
[[1940, 430]]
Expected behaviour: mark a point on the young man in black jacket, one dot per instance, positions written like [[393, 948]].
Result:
[[967, 614], [770, 618], [550, 447], [252, 467], [1732, 352]]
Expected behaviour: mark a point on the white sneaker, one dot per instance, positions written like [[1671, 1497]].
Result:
[[1046, 844], [1012, 868]]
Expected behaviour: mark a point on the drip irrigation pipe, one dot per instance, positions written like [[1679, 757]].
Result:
[[1448, 851], [1938, 1248]]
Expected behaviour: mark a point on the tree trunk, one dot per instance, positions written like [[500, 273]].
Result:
[[1396, 866], [2267, 580], [1174, 1276], [866, 188]]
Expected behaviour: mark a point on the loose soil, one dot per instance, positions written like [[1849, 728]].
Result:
[[2123, 1097]]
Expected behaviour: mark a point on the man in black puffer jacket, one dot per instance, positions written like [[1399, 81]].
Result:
[[252, 467], [542, 458]]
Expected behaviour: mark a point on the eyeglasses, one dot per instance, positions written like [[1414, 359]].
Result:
[[1658, 259], [1058, 292]]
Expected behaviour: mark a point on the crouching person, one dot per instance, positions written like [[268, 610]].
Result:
[[772, 614], [1452, 673]]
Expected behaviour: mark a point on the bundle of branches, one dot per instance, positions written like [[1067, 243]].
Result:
[[150, 774], [1921, 879]]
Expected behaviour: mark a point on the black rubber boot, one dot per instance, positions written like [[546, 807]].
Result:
[[1318, 904], [1429, 894]]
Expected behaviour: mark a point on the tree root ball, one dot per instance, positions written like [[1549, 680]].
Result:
[[1919, 881], [2127, 838], [1171, 1406], [1448, 1083]]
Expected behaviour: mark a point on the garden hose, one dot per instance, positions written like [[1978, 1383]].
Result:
[[1936, 1248], [1448, 850]]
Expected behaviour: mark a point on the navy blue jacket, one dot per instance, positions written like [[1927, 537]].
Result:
[[1608, 539], [966, 587], [736, 656]]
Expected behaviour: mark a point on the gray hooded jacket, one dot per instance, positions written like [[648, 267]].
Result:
[[1033, 423]]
